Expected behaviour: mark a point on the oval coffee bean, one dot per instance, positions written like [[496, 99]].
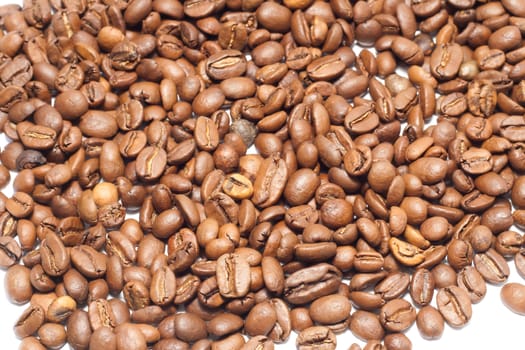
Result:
[[316, 337], [512, 295], [455, 306], [233, 275]]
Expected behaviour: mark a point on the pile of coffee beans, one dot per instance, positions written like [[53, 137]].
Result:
[[354, 213]]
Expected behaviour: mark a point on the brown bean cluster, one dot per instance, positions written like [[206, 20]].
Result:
[[350, 204]]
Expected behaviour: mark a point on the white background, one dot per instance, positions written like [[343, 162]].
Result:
[[492, 326]]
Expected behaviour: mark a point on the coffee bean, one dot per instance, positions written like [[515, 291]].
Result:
[[492, 266], [162, 290], [60, 309], [10, 251], [422, 287], [55, 257], [397, 315], [233, 275], [407, 51], [316, 337], [393, 286], [30, 321], [445, 61], [78, 329], [237, 186], [272, 173], [473, 283], [455, 306], [309, 283], [330, 309], [430, 322], [366, 325], [511, 295], [406, 253]]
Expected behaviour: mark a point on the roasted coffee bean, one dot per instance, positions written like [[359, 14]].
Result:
[[273, 274], [406, 253], [60, 309], [407, 51], [445, 61], [422, 287], [366, 326], [101, 314], [52, 335], [325, 68], [397, 315], [30, 321], [224, 324], [55, 257], [393, 286], [312, 282], [272, 174], [492, 266], [162, 290], [78, 329], [10, 251], [430, 322], [455, 305], [316, 337], [330, 309], [18, 284], [512, 296], [226, 64], [473, 283], [233, 275]]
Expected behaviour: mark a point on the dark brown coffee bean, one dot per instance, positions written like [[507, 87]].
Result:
[[151, 162], [260, 341], [476, 161], [18, 284], [224, 324], [393, 286], [301, 186], [361, 120], [101, 314], [429, 170], [261, 319]]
